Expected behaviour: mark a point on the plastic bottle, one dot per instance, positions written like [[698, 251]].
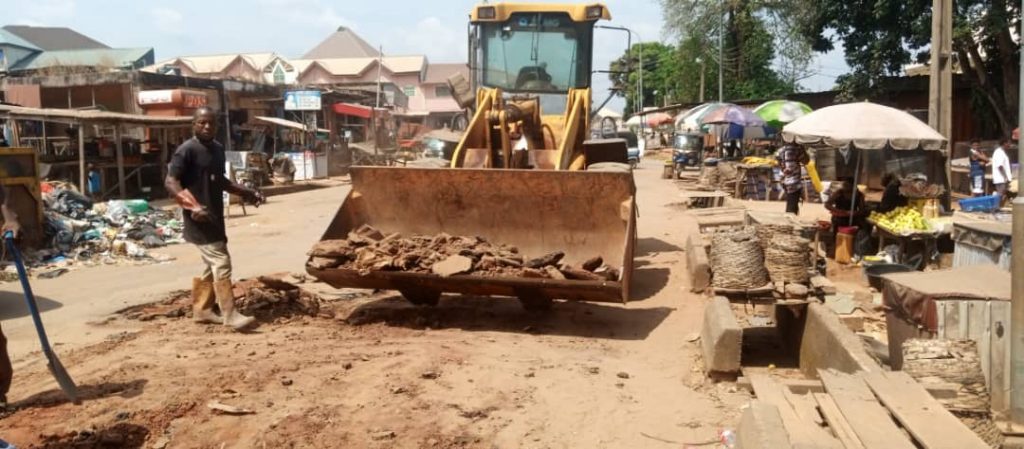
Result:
[[728, 438]]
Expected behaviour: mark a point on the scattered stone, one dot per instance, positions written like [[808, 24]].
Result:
[[228, 409], [620, 384], [531, 374], [121, 416], [383, 435], [594, 370], [161, 443], [797, 291], [452, 265], [623, 375], [398, 390], [430, 375], [347, 365], [286, 381], [593, 263], [545, 260], [554, 273]]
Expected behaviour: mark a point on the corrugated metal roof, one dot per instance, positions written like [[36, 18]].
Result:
[[439, 73], [77, 116], [107, 57], [202, 64], [356, 66], [343, 43], [55, 38], [9, 38]]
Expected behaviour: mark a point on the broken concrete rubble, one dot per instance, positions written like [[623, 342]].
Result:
[[368, 249]]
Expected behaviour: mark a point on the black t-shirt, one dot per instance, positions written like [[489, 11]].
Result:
[[200, 168]]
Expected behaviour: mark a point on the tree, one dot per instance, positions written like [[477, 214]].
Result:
[[881, 37], [660, 67], [761, 58]]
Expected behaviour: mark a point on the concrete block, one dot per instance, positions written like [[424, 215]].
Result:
[[827, 343], [697, 263], [761, 428], [721, 338]]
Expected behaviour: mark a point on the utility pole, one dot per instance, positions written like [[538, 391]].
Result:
[[721, 58], [702, 67], [940, 88], [1017, 282], [376, 123]]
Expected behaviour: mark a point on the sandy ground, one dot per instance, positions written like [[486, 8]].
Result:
[[372, 371]]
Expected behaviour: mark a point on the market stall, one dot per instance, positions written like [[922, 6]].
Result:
[[970, 303], [982, 242], [866, 128], [308, 162]]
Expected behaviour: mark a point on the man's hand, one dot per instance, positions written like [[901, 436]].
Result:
[[201, 215], [253, 197], [13, 227]]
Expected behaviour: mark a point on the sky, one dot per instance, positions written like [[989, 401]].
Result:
[[435, 28]]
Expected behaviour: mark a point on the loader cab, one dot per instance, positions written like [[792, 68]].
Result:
[[541, 50]]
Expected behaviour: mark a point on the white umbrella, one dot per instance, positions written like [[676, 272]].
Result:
[[867, 126], [635, 120]]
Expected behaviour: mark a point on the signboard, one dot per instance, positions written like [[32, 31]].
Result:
[[302, 100], [156, 97], [187, 99]]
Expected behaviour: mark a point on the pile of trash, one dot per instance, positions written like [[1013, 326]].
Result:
[[368, 249], [78, 231]]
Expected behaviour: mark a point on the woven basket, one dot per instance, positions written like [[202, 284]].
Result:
[[737, 260], [788, 259], [765, 233]]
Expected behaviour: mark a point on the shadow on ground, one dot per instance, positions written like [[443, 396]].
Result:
[[12, 305], [122, 436], [763, 347], [648, 246], [470, 313], [55, 397]]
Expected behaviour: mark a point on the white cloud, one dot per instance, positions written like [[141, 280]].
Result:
[[47, 13], [440, 42], [309, 13], [167, 20]]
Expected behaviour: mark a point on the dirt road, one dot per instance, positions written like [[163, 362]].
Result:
[[374, 371]]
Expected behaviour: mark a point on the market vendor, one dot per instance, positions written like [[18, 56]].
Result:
[[978, 161], [843, 203], [6, 371], [891, 197]]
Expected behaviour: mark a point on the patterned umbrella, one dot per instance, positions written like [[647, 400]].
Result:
[[732, 115], [780, 112]]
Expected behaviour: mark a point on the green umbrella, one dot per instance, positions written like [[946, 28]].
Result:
[[780, 112]]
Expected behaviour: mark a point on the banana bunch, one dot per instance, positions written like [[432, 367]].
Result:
[[902, 220]]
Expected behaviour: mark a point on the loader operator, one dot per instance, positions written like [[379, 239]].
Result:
[[196, 180], [6, 371]]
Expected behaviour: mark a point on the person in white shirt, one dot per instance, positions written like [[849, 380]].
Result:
[[1001, 175]]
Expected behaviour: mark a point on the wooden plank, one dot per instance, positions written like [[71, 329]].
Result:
[[925, 419], [840, 427], [804, 406], [869, 420], [1000, 348], [802, 433], [941, 390], [978, 330], [952, 321], [964, 328]]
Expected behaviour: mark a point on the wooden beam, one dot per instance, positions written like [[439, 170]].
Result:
[[840, 427], [803, 433], [81, 160], [870, 421], [924, 417], [120, 162]]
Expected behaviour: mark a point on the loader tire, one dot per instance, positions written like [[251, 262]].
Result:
[[535, 303], [421, 297]]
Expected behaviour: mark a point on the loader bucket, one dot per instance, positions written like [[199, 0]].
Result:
[[584, 214]]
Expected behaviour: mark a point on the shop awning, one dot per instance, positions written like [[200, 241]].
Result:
[[354, 110], [287, 123]]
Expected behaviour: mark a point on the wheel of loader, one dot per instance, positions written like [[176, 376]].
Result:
[[421, 297], [616, 167], [535, 302]]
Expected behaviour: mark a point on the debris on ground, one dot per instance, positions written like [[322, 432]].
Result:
[[264, 297], [78, 231], [367, 249]]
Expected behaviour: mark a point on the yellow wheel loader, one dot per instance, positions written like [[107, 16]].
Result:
[[523, 174]]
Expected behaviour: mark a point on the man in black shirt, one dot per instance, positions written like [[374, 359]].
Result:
[[196, 179]]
